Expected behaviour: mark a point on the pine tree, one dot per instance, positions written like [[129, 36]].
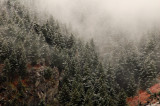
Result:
[[64, 94], [5, 51], [34, 51], [48, 73], [3, 18], [70, 42], [131, 87], [7, 70], [148, 73], [88, 97], [76, 98], [14, 63], [122, 98]]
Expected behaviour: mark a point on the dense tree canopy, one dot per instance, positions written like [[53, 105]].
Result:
[[85, 78]]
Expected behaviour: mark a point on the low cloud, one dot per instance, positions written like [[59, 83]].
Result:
[[96, 18]]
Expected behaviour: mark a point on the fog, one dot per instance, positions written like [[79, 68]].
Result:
[[100, 18]]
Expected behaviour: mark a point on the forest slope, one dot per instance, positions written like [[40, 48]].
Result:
[[42, 62]]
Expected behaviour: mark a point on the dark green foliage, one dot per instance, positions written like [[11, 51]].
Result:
[[131, 87], [148, 74], [76, 97], [6, 49], [48, 73], [70, 42], [122, 98], [42, 103], [3, 18], [22, 61], [57, 61], [15, 65], [64, 96], [85, 80], [7, 70], [20, 86]]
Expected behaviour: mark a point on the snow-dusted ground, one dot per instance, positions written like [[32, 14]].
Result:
[[156, 104]]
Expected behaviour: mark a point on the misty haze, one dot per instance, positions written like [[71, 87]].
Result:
[[79, 52]]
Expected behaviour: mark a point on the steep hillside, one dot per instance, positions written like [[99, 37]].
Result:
[[42, 62]]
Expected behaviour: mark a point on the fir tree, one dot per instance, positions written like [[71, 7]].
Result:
[[7, 70]]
